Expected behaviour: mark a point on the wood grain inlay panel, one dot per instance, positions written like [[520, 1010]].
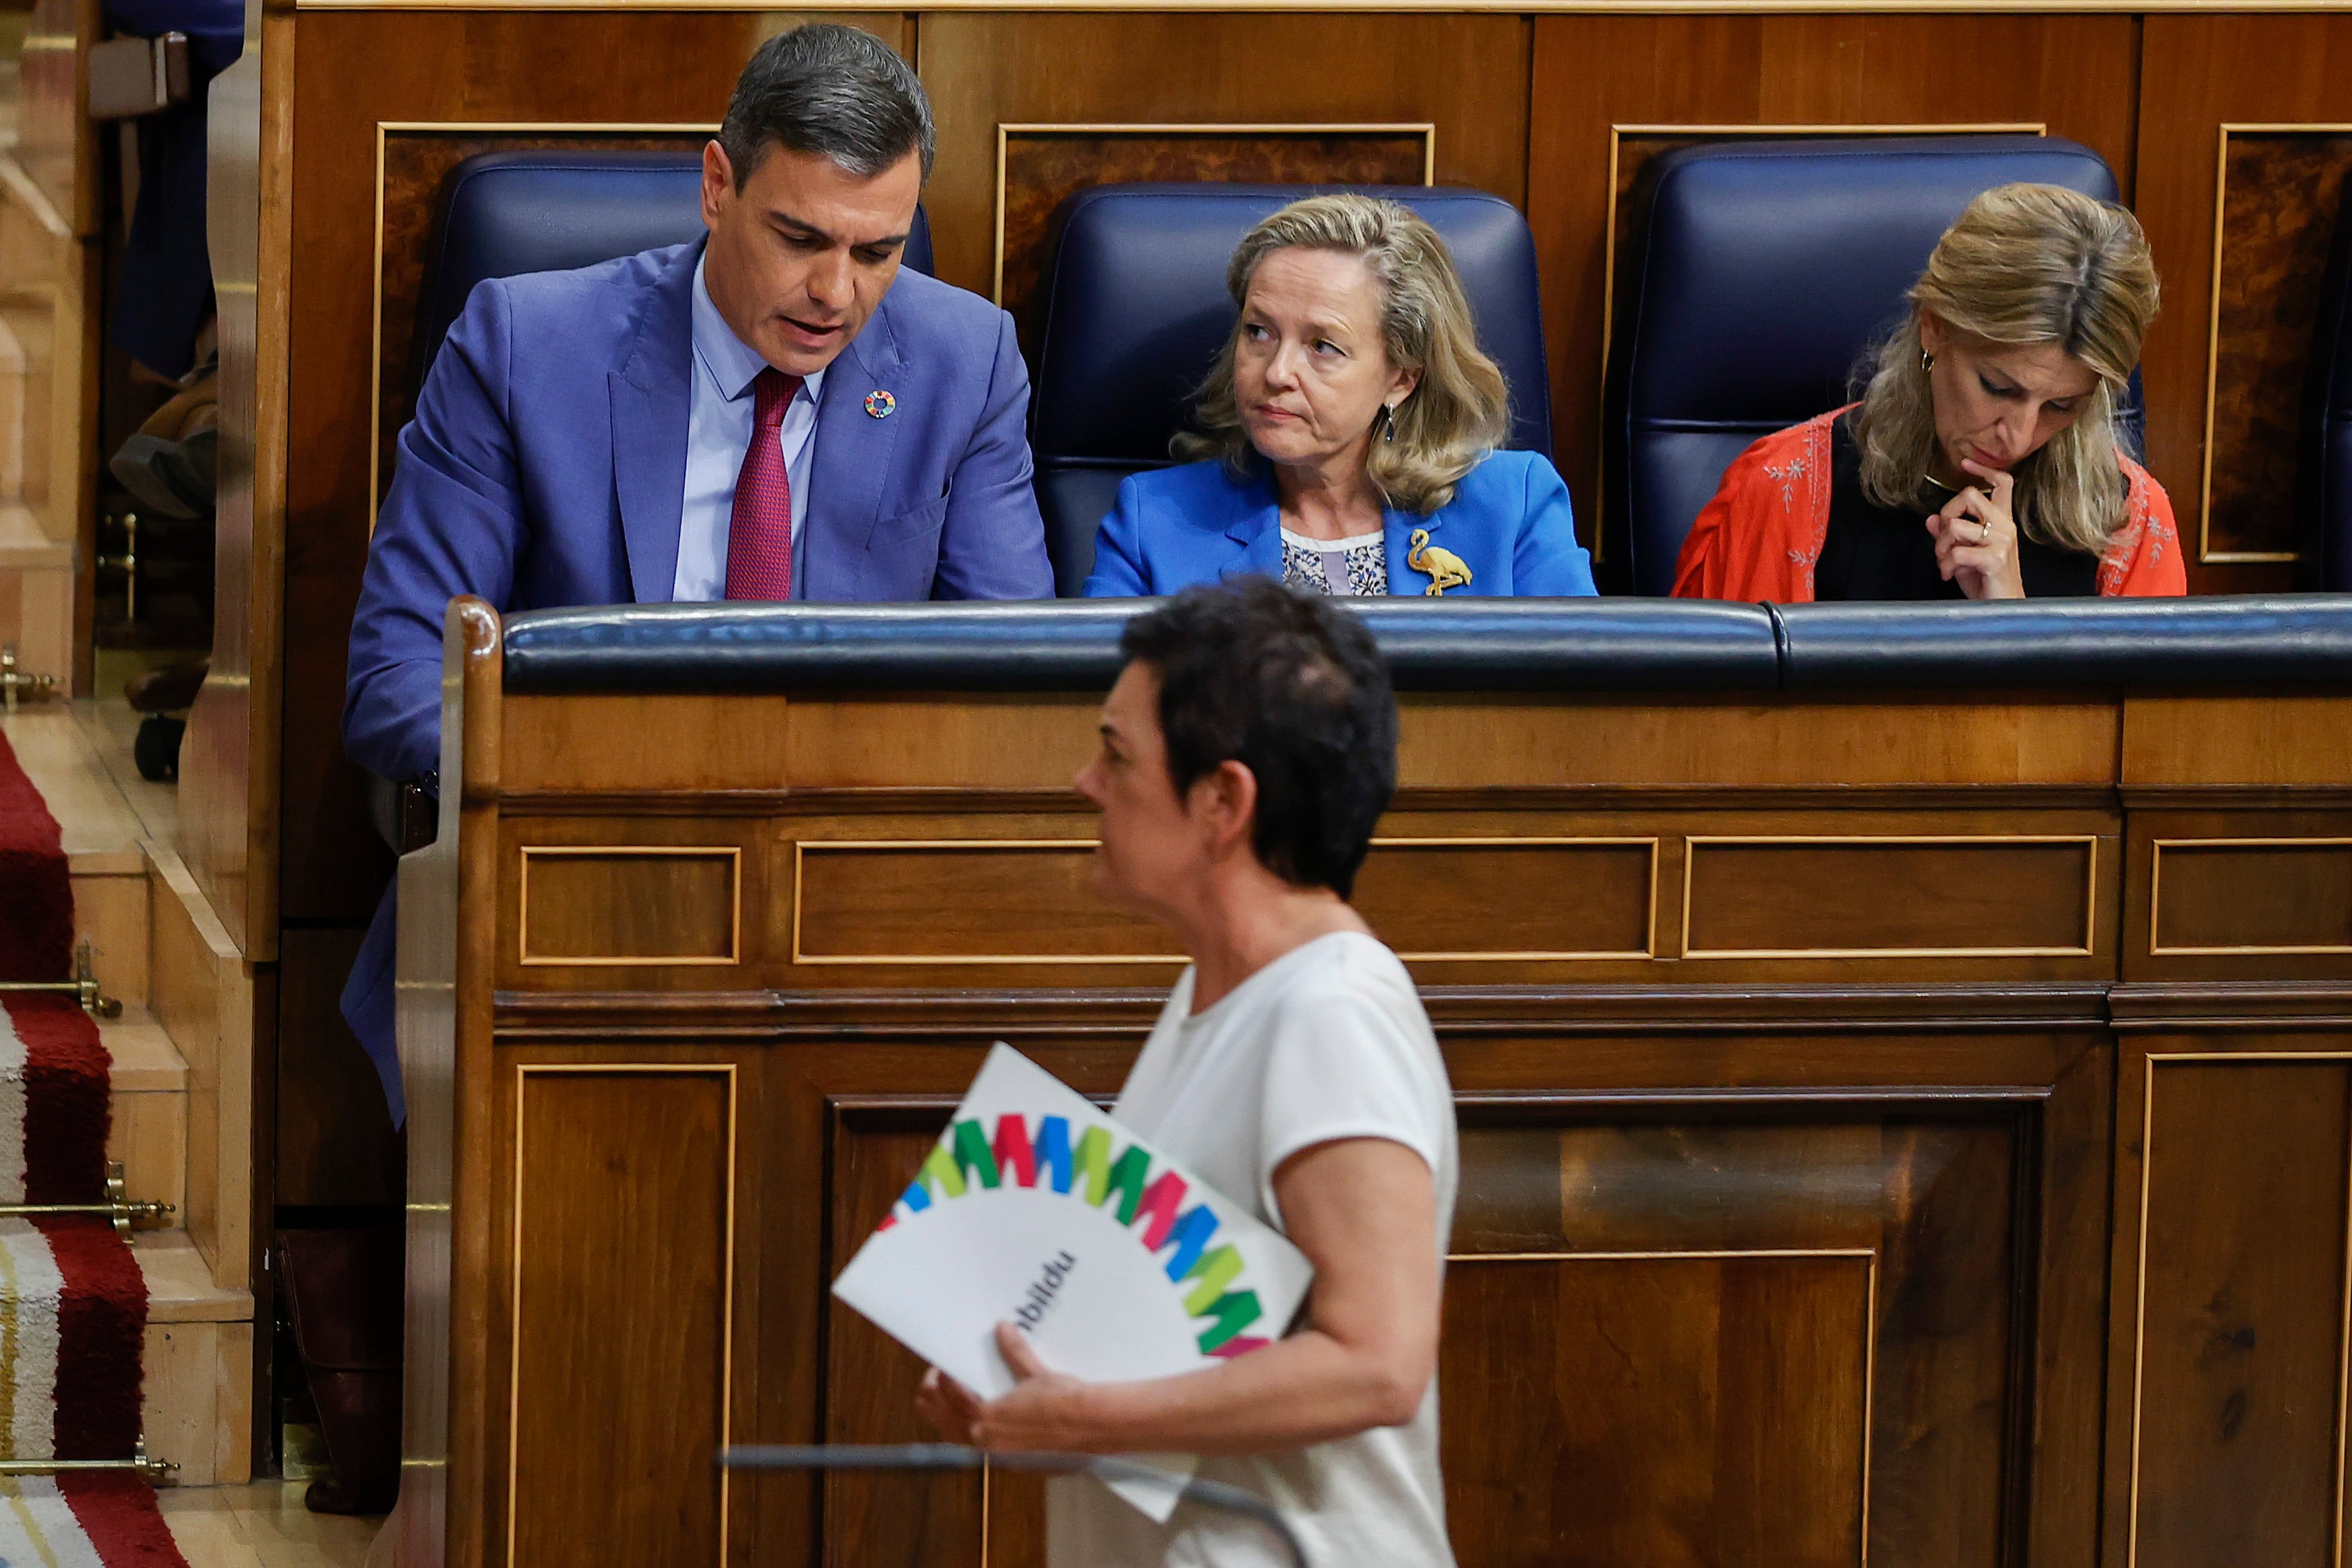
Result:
[[2280, 193], [621, 1230], [1829, 898], [1658, 1410], [1501, 899], [2251, 896], [646, 905], [1630, 1284], [1044, 164], [961, 901], [2242, 1313]]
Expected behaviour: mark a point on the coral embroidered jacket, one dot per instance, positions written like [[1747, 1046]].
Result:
[[1759, 537]]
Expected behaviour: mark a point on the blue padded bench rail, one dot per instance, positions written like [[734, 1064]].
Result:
[[1526, 645], [505, 214], [1763, 272], [1135, 309]]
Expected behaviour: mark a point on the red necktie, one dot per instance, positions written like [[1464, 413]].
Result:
[[760, 532]]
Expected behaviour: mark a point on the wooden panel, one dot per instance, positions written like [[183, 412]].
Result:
[[2251, 896], [2220, 741], [1466, 74], [622, 1227], [1528, 898], [642, 744], [968, 902], [1533, 742], [1698, 1410], [1760, 897], [1592, 73], [2198, 73], [1041, 164], [934, 1521], [2236, 1416], [1640, 1292], [631, 906], [962, 742], [2280, 193]]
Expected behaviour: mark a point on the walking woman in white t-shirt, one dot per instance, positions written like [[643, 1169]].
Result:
[[1248, 750]]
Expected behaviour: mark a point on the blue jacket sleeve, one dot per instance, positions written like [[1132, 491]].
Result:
[[993, 544], [1118, 549], [1547, 561], [452, 524]]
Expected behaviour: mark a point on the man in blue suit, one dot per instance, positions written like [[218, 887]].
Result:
[[775, 412]]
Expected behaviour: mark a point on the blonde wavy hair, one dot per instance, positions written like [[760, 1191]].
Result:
[[1460, 409], [2025, 264]]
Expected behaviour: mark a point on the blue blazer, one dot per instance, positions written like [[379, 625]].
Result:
[[1508, 520], [546, 467]]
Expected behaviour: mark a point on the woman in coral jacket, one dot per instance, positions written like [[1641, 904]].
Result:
[[1982, 460]]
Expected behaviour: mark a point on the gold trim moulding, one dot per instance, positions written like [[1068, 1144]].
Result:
[[2156, 898], [2090, 895], [734, 854], [1007, 129], [2206, 553]]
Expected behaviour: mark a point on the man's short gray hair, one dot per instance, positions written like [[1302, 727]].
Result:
[[828, 89]]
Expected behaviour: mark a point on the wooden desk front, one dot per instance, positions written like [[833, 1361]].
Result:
[[1910, 1132]]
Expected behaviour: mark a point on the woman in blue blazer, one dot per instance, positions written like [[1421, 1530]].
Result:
[[1351, 433]]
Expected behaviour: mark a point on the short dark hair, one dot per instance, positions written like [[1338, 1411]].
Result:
[[1295, 689], [831, 89]]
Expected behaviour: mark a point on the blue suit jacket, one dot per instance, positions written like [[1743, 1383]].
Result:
[[546, 467], [1508, 520]]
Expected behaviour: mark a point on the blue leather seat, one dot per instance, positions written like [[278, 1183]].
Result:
[[2326, 500], [1135, 309], [1764, 271], [503, 214]]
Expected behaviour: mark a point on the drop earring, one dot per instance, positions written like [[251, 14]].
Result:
[[1927, 362], [1387, 423]]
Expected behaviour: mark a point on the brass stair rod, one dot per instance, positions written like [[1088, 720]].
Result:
[[84, 985], [146, 1464], [120, 1207]]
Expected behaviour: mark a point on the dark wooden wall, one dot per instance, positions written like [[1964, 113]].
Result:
[[1555, 111]]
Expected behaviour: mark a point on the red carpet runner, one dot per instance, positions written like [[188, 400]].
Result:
[[73, 1309]]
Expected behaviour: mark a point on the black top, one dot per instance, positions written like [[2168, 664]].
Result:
[[1873, 551]]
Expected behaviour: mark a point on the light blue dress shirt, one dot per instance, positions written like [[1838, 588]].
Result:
[[718, 430]]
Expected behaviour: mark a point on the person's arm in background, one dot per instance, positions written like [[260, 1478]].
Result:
[[2145, 561], [452, 524], [1364, 1210], [1547, 561], [992, 543], [1118, 549]]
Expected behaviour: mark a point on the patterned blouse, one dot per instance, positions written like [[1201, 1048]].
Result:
[[1354, 567]]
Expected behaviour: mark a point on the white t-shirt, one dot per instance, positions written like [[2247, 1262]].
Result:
[[1328, 1041]]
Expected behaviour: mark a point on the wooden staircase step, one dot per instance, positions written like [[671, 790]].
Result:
[[150, 1131]]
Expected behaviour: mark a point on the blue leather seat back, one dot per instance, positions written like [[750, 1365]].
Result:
[[1765, 271], [1135, 309], [503, 214], [2327, 478]]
